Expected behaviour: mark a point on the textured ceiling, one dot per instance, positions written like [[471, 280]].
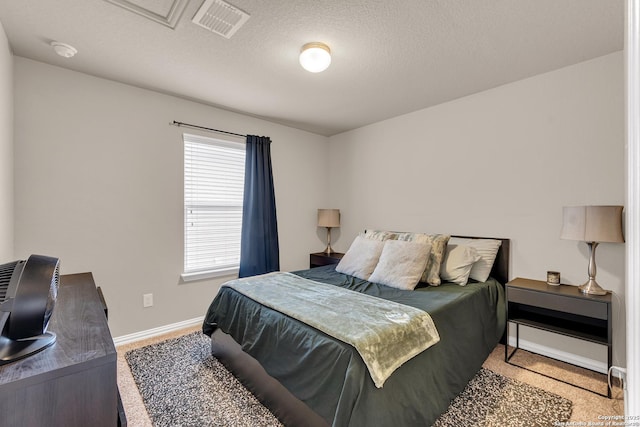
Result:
[[389, 57]]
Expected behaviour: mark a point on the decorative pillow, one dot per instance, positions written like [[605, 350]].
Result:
[[361, 258], [438, 243], [457, 263], [487, 249], [380, 235], [401, 264]]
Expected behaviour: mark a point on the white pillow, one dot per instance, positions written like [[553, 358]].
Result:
[[487, 249], [457, 263], [361, 258], [401, 264]]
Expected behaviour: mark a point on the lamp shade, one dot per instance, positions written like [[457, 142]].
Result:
[[329, 218], [592, 223]]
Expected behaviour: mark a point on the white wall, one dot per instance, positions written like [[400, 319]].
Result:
[[6, 149], [499, 163], [98, 178], [98, 175]]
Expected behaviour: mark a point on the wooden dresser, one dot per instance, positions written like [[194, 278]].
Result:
[[73, 382]]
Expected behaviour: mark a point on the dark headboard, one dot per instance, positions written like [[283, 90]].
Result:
[[500, 270]]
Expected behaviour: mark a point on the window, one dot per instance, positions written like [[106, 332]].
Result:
[[213, 192]]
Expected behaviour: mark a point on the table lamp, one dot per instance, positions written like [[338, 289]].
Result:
[[329, 218], [593, 225]]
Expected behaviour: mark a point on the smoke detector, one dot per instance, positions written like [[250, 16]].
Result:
[[64, 50], [220, 17]]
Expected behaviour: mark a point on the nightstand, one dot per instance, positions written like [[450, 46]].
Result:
[[559, 309], [319, 259]]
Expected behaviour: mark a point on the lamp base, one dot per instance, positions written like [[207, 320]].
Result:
[[592, 288], [328, 250]]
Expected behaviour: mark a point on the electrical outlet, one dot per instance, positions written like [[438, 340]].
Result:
[[147, 300]]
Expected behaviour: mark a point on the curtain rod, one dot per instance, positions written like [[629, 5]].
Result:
[[205, 128]]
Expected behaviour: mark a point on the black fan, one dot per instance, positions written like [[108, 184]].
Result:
[[28, 291]]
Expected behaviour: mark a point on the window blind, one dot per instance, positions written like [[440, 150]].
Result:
[[213, 194]]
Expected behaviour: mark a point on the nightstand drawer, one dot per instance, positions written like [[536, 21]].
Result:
[[582, 306]]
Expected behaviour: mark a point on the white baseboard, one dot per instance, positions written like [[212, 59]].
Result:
[[584, 362], [150, 333]]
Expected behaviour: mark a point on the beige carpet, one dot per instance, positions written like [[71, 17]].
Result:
[[587, 406]]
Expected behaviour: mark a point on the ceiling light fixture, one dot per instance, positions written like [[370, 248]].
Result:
[[315, 57], [64, 50]]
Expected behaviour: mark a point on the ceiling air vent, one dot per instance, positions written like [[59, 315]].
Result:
[[220, 17]]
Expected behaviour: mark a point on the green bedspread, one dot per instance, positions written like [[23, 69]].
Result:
[[331, 377], [385, 333]]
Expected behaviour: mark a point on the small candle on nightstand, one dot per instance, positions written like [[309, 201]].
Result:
[[553, 278]]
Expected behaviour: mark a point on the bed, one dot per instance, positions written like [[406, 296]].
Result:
[[308, 378]]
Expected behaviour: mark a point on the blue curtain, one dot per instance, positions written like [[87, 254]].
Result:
[[259, 250]]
